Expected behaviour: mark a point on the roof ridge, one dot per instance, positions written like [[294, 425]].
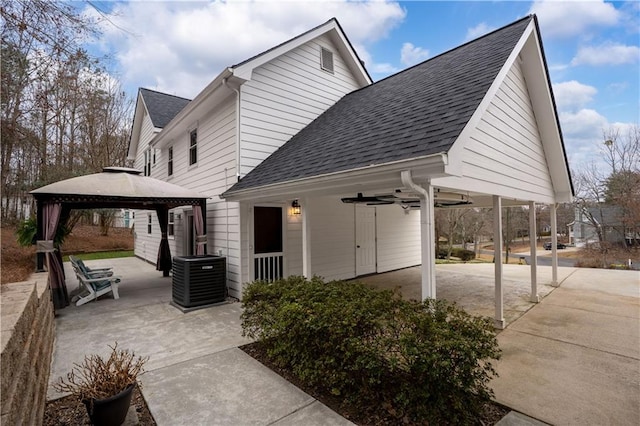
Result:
[[165, 94], [285, 42]]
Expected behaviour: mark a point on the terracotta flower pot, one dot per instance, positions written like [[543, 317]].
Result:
[[110, 411]]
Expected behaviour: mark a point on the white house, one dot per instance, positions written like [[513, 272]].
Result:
[[313, 169]]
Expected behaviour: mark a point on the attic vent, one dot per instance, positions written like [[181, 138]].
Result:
[[326, 59]]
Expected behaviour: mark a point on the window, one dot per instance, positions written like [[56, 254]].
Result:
[[193, 147], [326, 59], [170, 225], [147, 162], [154, 157], [170, 162], [149, 218]]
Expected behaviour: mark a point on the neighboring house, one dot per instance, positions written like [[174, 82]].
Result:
[[122, 218], [314, 170], [592, 224]]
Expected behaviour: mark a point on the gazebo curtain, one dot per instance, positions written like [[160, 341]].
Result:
[[51, 216], [198, 223], [164, 252]]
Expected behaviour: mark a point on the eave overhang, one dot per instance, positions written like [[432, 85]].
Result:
[[355, 180]]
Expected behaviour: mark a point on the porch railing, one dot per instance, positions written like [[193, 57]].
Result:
[[268, 266]]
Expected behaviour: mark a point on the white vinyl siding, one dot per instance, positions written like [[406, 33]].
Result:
[[398, 237], [332, 238], [504, 154], [145, 245], [286, 94], [215, 172]]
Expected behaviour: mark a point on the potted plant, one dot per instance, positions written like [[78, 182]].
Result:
[[105, 386]]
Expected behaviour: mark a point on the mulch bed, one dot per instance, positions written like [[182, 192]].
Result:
[[369, 416], [70, 411]]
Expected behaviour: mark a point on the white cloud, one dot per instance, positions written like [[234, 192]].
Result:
[[411, 55], [179, 47], [376, 69], [618, 87], [572, 95], [584, 124], [607, 54], [479, 30], [566, 18], [582, 133]]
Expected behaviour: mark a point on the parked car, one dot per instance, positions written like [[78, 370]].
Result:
[[547, 246]]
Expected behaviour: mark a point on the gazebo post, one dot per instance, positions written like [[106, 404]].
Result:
[[164, 252], [203, 207], [39, 235]]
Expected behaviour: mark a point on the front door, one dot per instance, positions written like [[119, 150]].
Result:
[[268, 253], [365, 240]]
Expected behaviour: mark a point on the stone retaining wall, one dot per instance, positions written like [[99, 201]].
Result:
[[27, 346]]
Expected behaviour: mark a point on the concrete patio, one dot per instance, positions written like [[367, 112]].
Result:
[[197, 375]]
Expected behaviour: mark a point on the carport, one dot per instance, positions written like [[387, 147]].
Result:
[[474, 127], [115, 187]]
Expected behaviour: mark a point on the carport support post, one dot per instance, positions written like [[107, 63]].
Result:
[[533, 256], [554, 245], [427, 244], [427, 234], [306, 239], [497, 260]]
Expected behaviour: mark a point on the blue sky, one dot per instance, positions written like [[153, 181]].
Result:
[[592, 47]]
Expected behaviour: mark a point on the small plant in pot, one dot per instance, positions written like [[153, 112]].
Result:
[[105, 386]]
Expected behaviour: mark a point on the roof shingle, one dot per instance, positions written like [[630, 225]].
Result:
[[162, 107], [417, 112]]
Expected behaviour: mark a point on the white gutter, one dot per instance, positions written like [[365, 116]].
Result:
[[427, 234], [226, 84], [191, 106], [434, 165]]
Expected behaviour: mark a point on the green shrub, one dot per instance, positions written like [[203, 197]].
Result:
[[427, 361], [441, 253], [464, 255], [460, 253]]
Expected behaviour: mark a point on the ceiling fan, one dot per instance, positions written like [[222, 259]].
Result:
[[370, 201], [409, 199]]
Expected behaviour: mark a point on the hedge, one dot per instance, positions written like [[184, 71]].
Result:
[[423, 361]]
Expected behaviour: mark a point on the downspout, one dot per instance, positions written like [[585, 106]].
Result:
[[226, 84], [427, 244]]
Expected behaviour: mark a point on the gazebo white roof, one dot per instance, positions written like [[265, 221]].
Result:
[[117, 183]]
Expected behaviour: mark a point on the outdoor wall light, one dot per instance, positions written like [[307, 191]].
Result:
[[295, 207]]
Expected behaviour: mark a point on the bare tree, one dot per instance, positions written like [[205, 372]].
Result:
[[608, 196], [448, 223], [62, 114]]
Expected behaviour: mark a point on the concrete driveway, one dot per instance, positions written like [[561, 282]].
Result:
[[574, 359]]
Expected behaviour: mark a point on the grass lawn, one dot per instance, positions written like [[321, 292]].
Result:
[[101, 255]]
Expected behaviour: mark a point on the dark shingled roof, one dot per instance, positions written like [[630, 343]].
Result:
[[162, 107], [417, 112]]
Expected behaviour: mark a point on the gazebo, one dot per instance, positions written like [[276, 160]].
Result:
[[115, 187]]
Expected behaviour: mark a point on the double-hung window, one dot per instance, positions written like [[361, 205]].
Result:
[[149, 219], [193, 147], [170, 225], [170, 162], [147, 161]]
